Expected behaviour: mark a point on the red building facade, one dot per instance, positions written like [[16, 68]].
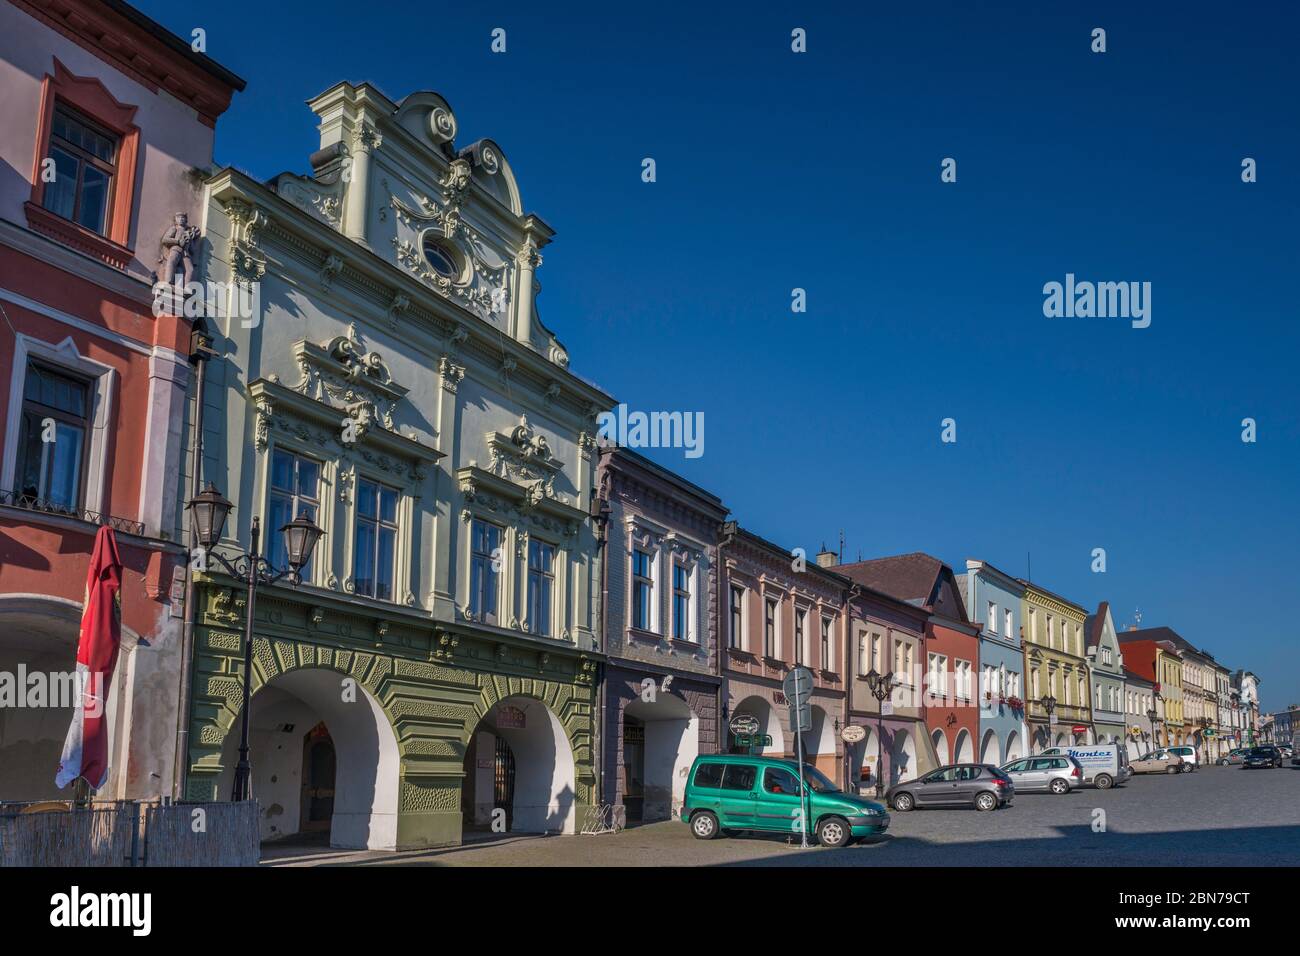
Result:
[[104, 116]]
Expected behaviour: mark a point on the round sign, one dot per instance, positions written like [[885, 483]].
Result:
[[852, 734], [744, 725], [797, 686]]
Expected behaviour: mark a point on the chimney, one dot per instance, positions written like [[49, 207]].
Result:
[[826, 559]]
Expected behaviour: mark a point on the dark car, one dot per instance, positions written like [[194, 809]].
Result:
[[1261, 757], [977, 785]]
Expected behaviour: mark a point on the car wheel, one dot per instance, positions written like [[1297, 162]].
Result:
[[1223, 762], [834, 833], [1173, 769], [1104, 781], [1059, 786], [1187, 768], [704, 825], [986, 801], [903, 802]]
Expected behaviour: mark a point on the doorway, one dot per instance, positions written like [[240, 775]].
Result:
[[319, 765], [633, 769]]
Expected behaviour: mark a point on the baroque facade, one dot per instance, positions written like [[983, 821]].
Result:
[[1055, 667], [382, 369]]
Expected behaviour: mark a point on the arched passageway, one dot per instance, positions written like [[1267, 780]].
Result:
[[661, 739], [519, 771], [325, 760]]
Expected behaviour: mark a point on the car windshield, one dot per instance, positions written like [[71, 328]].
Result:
[[818, 781]]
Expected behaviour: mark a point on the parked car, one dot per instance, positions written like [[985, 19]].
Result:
[[1104, 765], [1258, 757], [1191, 756], [1287, 750], [1233, 756], [1058, 774], [982, 786], [1158, 761], [730, 792]]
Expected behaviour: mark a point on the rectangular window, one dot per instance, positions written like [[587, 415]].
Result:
[[876, 641], [295, 490], [769, 628], [541, 585], [827, 661], [52, 439], [642, 591], [681, 603], [992, 619], [862, 654], [737, 617], [1008, 624], [376, 540], [800, 635], [85, 158], [484, 571]]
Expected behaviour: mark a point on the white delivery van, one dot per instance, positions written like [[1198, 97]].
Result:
[[1104, 765]]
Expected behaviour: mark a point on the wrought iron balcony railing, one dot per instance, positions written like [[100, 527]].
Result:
[[15, 499]]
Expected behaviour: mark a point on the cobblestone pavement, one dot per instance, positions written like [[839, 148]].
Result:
[[1216, 816]]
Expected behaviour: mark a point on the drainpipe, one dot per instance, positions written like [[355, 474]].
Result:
[[726, 534], [200, 352], [600, 516]]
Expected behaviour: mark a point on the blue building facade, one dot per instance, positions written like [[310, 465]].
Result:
[[994, 598]]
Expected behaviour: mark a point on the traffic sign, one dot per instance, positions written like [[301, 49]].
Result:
[[801, 718], [797, 686]]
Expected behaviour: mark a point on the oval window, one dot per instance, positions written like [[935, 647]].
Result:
[[440, 258]]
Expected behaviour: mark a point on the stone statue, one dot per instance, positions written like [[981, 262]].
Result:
[[179, 248]]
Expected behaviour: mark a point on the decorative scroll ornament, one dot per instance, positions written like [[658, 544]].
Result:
[[246, 223], [346, 375]]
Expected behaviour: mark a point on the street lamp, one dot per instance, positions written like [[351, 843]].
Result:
[[1049, 705], [880, 687], [1151, 716], [209, 510]]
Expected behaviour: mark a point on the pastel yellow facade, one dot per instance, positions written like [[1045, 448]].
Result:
[[1169, 674], [1055, 666]]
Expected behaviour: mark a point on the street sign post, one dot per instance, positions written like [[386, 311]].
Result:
[[797, 687]]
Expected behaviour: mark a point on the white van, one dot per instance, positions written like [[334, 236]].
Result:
[[1104, 765], [1191, 756]]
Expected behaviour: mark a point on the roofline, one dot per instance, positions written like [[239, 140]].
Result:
[[614, 451], [176, 44]]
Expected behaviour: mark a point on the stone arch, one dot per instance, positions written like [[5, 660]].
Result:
[[991, 748], [963, 750], [1014, 751], [769, 722], [40, 632], [671, 744], [940, 740]]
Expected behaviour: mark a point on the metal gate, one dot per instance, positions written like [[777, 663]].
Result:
[[503, 782]]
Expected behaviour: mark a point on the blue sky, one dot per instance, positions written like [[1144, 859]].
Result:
[[821, 171]]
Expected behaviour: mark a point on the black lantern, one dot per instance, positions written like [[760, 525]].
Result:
[[300, 537], [209, 509]]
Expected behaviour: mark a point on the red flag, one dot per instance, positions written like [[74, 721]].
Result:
[[85, 752]]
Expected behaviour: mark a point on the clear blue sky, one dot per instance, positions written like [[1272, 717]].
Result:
[[821, 171]]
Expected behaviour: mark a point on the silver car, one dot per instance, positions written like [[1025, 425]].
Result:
[[1055, 774]]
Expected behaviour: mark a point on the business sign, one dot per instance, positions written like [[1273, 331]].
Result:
[[1079, 729], [744, 725], [510, 718], [853, 734]]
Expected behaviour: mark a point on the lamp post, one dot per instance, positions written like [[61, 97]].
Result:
[[880, 687], [209, 509], [1151, 716], [1049, 705]]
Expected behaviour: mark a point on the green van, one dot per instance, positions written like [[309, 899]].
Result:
[[733, 792]]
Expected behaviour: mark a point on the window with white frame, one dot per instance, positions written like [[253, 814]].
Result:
[[374, 546], [828, 659], [485, 571], [643, 587], [800, 635], [862, 654], [965, 685], [770, 635], [936, 674], [682, 630], [1008, 624], [1106, 656], [877, 642], [1049, 632], [53, 437], [541, 586], [294, 492], [735, 635], [992, 617]]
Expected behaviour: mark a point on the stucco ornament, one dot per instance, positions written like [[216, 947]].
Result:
[[178, 250], [345, 374]]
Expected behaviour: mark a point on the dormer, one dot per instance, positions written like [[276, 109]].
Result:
[[391, 177]]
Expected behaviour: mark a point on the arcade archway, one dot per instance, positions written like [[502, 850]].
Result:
[[661, 740]]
